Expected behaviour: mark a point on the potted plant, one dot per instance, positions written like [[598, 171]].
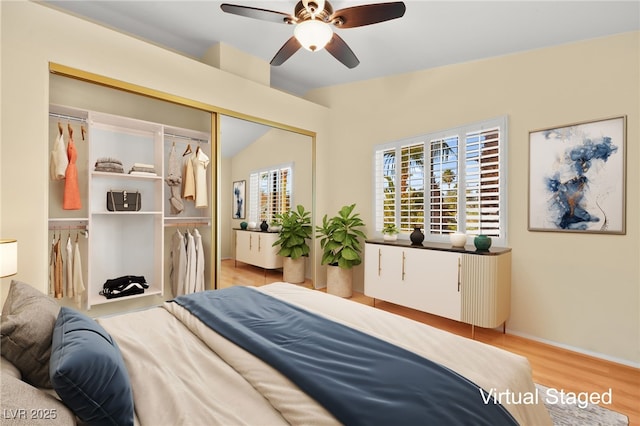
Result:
[[295, 229], [341, 249], [390, 232]]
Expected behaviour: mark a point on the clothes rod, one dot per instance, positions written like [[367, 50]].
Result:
[[171, 135], [66, 228], [67, 117], [187, 224]]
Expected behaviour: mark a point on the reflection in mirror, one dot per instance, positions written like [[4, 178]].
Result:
[[264, 170]]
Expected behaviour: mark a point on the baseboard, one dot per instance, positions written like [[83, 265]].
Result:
[[599, 355]]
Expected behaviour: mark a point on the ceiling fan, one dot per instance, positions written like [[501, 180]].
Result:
[[313, 20]]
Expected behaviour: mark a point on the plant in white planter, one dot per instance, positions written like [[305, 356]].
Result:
[[295, 229], [390, 232], [341, 249]]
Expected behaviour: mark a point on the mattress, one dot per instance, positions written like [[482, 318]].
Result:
[[182, 372]]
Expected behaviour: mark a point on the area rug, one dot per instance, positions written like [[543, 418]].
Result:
[[564, 414]]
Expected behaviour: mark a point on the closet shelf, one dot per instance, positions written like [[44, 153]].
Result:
[[100, 300], [107, 213], [61, 221], [123, 176]]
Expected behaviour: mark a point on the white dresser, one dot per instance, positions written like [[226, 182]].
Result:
[[256, 248], [461, 284]]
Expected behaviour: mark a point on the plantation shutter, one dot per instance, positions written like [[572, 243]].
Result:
[[385, 187], [455, 181], [270, 193], [483, 182], [443, 185], [411, 191]]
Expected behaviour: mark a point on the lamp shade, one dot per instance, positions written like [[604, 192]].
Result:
[[8, 257], [313, 34]]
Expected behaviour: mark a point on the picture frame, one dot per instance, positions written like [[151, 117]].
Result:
[[577, 177], [239, 200]]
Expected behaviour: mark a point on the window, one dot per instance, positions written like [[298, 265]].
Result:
[[443, 182], [270, 192]]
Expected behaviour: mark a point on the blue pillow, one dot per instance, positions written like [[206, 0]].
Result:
[[88, 372]]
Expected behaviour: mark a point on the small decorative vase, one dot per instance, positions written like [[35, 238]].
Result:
[[417, 237], [251, 225], [458, 239], [243, 225], [264, 226], [482, 242], [389, 237]]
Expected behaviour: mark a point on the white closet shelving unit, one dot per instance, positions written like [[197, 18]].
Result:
[[126, 243]]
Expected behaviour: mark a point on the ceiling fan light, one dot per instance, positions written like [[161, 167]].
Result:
[[313, 34]]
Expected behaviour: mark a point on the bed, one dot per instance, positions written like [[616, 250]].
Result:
[[181, 371]]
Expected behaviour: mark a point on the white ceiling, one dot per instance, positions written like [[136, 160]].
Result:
[[431, 33]]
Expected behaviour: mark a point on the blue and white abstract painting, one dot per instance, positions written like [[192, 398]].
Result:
[[577, 177]]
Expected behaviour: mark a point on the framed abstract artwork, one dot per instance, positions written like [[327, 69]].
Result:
[[238, 204], [577, 177]]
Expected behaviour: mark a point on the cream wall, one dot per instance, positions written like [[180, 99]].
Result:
[[33, 35], [580, 291]]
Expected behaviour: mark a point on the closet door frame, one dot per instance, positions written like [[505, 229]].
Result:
[[216, 112]]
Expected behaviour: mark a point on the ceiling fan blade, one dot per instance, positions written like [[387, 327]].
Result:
[[367, 14], [289, 48], [256, 13], [339, 49]]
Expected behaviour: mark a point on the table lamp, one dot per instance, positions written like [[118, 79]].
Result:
[[8, 257]]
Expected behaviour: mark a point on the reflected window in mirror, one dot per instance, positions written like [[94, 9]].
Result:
[[270, 192]]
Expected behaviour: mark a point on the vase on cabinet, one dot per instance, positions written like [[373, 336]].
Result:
[[417, 237], [482, 242], [458, 239], [264, 226]]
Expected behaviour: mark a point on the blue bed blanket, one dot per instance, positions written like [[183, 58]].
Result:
[[360, 379]]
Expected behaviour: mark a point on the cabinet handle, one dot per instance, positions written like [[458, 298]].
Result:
[[403, 257], [259, 242], [250, 241], [379, 265], [459, 267]]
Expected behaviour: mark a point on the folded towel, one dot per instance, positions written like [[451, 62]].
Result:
[[108, 160], [147, 166], [142, 173], [143, 169], [109, 169]]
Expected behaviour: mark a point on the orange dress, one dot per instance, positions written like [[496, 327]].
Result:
[[71, 196]]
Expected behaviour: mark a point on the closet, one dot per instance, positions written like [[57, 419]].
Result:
[[135, 240]]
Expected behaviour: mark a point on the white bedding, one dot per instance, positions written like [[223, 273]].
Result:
[[184, 373]]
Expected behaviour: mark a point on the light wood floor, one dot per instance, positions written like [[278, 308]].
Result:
[[552, 366]]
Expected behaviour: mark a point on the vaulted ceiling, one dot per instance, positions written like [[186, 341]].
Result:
[[430, 34]]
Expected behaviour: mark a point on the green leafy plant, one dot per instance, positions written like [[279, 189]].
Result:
[[339, 238], [296, 229], [390, 229]]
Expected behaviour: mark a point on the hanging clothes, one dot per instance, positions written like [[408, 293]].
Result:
[[178, 267], [78, 282], [199, 276], [69, 269], [190, 273], [71, 197], [200, 162], [52, 266], [188, 179], [57, 273], [58, 159], [174, 181]]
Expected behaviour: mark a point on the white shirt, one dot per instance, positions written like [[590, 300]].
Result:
[[200, 162]]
